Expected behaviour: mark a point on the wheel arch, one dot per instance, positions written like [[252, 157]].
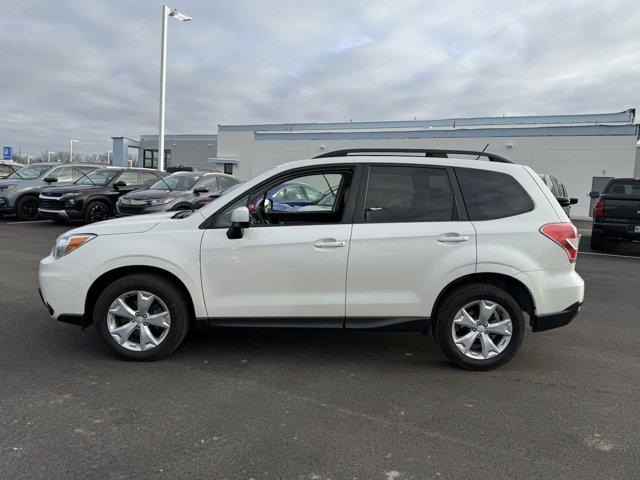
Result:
[[509, 284], [112, 275]]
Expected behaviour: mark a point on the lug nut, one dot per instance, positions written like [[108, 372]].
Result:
[[144, 316], [145, 323]]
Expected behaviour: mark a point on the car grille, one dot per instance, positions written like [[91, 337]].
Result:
[[50, 204], [131, 209]]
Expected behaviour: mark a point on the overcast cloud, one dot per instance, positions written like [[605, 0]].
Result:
[[90, 70]]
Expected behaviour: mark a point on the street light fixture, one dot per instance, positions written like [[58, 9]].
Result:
[[71, 142], [166, 13]]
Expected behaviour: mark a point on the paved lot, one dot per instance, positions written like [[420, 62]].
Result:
[[314, 404]]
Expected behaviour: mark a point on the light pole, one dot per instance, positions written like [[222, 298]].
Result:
[[166, 13], [71, 142], [29, 157], [48, 156], [108, 157]]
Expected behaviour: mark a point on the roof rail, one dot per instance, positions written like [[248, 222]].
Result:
[[428, 152]]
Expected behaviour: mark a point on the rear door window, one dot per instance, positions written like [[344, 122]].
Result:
[[408, 194], [489, 195]]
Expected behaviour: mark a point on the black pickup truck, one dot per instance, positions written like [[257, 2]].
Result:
[[616, 214]]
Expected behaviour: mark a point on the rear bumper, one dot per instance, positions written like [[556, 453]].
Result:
[[540, 323], [618, 230]]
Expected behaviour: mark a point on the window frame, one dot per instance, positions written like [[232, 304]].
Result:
[[458, 209], [357, 170]]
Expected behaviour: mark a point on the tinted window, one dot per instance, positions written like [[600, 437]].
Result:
[[624, 186], [98, 177], [129, 177], [226, 182], [408, 194], [63, 174], [488, 195], [177, 181], [210, 183], [148, 178], [31, 172]]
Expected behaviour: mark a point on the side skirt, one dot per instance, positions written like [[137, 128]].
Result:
[[389, 324]]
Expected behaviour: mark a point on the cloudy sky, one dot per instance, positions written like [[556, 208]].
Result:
[[90, 70]]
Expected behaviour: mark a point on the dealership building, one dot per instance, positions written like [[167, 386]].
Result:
[[581, 150]]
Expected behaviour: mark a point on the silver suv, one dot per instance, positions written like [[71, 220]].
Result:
[[19, 191]]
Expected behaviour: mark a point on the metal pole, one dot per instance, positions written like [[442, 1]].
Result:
[[70, 150], [163, 81]]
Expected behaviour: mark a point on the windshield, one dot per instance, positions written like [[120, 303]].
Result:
[[175, 182], [31, 172], [624, 186], [98, 177]]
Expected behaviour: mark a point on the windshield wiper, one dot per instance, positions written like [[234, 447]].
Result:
[[165, 182]]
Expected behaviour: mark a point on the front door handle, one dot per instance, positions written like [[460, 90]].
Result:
[[328, 243], [452, 238]]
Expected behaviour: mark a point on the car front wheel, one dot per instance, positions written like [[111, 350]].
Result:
[[480, 327], [142, 317]]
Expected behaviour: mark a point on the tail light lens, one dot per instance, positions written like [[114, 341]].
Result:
[[598, 209], [565, 235]]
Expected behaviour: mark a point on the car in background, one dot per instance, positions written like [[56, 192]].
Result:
[[179, 191], [93, 197], [616, 214], [559, 191], [288, 197], [19, 191], [7, 167]]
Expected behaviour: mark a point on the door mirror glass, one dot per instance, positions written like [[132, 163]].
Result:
[[594, 194]]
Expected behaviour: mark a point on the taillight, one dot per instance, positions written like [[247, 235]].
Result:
[[565, 235], [598, 209]]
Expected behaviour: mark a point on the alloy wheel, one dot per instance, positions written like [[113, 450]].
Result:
[[138, 320], [98, 213], [482, 329], [30, 209]]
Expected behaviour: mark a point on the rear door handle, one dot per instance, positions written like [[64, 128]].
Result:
[[452, 238], [328, 243]]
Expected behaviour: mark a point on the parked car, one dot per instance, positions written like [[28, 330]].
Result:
[[559, 191], [7, 167], [460, 248], [93, 197], [616, 214], [19, 191], [289, 197], [180, 191]]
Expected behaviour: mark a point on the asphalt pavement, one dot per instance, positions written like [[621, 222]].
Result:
[[260, 404]]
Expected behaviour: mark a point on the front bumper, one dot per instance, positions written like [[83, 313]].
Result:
[[63, 288], [67, 214], [5, 206], [127, 211], [540, 323]]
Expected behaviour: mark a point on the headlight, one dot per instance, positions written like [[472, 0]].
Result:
[[68, 243], [70, 195], [162, 201]]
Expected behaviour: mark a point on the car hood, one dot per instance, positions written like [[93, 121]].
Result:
[[154, 194], [124, 225], [63, 190]]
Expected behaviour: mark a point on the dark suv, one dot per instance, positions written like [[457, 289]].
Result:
[[180, 191], [93, 197]]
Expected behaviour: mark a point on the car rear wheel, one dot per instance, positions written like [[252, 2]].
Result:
[[480, 327], [97, 211], [27, 207], [142, 317]]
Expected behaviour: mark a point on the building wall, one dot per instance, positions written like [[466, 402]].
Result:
[[186, 150], [575, 159]]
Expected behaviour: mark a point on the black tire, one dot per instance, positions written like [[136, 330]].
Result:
[[27, 208], [597, 240], [97, 211], [456, 301], [165, 290]]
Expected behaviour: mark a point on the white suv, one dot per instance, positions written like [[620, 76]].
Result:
[[463, 248]]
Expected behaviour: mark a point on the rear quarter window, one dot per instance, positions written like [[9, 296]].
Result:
[[489, 195]]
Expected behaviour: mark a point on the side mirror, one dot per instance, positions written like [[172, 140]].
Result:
[[594, 194], [50, 179], [267, 205], [200, 190], [573, 201], [239, 221], [563, 201], [118, 184]]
